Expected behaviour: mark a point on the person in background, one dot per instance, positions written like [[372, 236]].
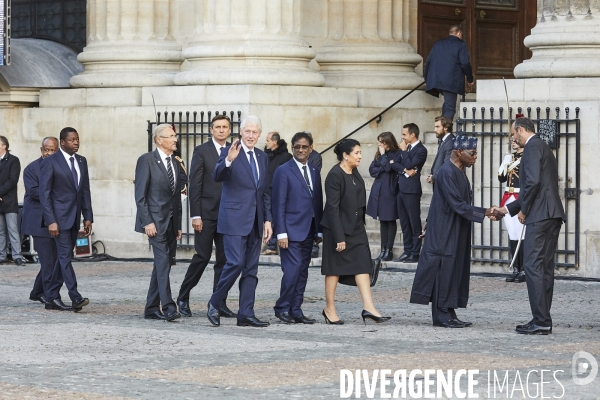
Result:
[[509, 173], [10, 169], [315, 159], [346, 253], [276, 149], [382, 199], [443, 133]]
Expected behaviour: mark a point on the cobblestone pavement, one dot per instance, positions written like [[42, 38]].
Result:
[[109, 351]]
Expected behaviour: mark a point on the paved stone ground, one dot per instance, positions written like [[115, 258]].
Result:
[[109, 351]]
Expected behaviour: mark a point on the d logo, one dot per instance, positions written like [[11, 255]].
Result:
[[584, 368]]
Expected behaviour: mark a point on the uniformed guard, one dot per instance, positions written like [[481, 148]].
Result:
[[509, 173]]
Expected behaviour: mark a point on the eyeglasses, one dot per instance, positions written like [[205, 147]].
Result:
[[301, 147], [169, 137]]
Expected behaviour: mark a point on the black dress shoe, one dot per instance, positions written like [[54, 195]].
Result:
[[520, 278], [388, 256], [213, 315], [172, 316], [451, 323], [401, 258], [525, 326], [411, 259], [304, 320], [19, 262], [79, 304], [155, 315], [57, 304], [285, 317], [252, 321], [534, 329], [226, 312], [184, 308], [41, 299]]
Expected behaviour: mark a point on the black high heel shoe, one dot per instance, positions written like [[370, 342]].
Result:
[[365, 314], [328, 321]]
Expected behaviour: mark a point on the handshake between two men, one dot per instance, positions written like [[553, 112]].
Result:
[[496, 213]]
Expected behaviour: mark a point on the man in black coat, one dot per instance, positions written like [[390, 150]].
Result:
[[316, 160], [443, 132], [539, 207], [158, 201], [408, 200], [276, 149], [10, 168], [204, 199], [446, 66]]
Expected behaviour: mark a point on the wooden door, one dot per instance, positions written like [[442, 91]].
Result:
[[493, 30]]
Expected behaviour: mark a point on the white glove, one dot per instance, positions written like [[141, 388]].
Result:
[[505, 163]]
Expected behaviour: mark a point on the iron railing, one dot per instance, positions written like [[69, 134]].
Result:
[[193, 129], [489, 240]]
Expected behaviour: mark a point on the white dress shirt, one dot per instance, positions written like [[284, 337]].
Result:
[[68, 159], [163, 157]]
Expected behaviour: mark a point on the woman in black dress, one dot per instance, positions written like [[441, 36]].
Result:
[[345, 242], [382, 200]]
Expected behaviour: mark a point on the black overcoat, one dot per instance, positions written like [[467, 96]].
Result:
[[10, 168], [382, 199]]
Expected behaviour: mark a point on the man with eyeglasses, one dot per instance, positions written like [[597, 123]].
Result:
[[297, 209], [244, 218], [444, 268], [158, 202], [30, 223]]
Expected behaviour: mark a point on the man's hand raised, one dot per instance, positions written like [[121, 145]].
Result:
[[234, 150]]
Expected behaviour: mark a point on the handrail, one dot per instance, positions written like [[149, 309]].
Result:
[[374, 118]]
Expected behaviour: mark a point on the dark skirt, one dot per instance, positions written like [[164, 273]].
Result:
[[354, 260]]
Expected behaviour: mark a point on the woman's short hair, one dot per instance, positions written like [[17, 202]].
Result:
[[345, 146]]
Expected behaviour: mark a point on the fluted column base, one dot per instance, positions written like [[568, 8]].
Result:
[[376, 66], [257, 60], [128, 64], [562, 48]]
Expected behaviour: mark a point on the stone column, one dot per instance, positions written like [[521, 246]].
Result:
[[248, 42], [367, 45], [565, 41], [128, 44]]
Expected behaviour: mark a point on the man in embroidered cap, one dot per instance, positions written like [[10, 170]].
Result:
[[442, 276]]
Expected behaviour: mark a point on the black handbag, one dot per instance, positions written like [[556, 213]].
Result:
[[373, 274]]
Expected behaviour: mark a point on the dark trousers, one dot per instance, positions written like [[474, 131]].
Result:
[[46, 250], [294, 264], [164, 247], [64, 243], [438, 314], [409, 211], [242, 253], [449, 106], [539, 247], [388, 231], [203, 243]]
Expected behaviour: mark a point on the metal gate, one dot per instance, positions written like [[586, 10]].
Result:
[[192, 130], [490, 240]]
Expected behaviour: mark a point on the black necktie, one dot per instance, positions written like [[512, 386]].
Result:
[[440, 141], [307, 181], [170, 173], [253, 167], [74, 172], [409, 147]]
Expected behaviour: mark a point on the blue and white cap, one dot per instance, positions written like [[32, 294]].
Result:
[[463, 142]]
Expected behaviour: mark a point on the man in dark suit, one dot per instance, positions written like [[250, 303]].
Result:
[[10, 168], [158, 201], [244, 214], [297, 209], [539, 207], [443, 132], [65, 196], [408, 200], [204, 199], [30, 223], [446, 66]]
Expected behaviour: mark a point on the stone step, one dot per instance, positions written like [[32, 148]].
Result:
[[316, 262]]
